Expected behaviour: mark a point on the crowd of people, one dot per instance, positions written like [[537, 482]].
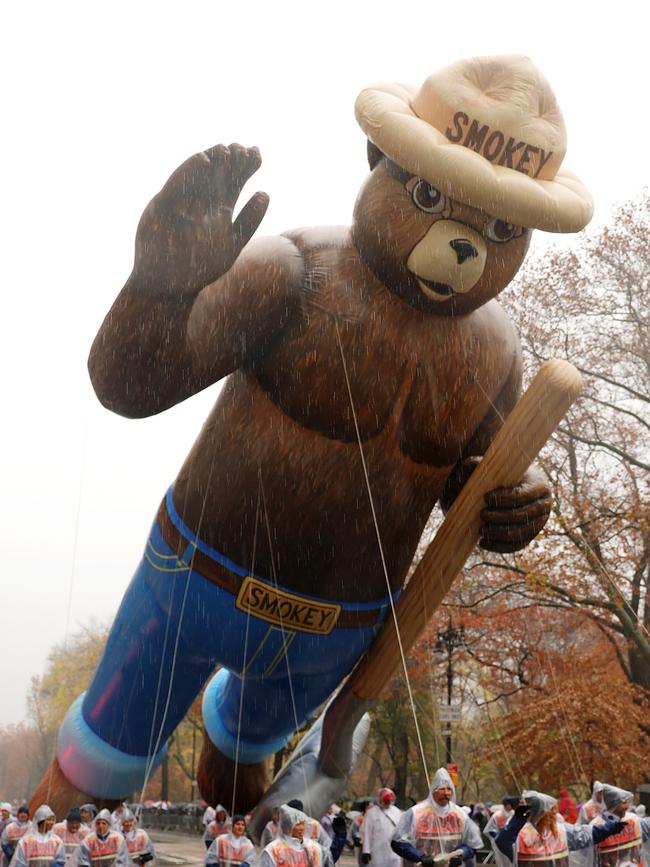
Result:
[[87, 837], [530, 829]]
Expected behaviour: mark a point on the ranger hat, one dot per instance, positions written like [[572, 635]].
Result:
[[486, 131]]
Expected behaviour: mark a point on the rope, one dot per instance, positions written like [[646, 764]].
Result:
[[150, 751], [243, 678], [434, 703], [282, 628], [149, 765], [381, 553], [509, 764], [75, 543], [603, 567], [73, 565], [566, 728]]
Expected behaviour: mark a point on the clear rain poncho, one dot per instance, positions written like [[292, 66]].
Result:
[[11, 834], [592, 807], [39, 848], [613, 796], [5, 807], [627, 847], [138, 842], [103, 850], [539, 803], [228, 850], [379, 824], [291, 851], [219, 825], [572, 845], [71, 839], [498, 820], [431, 829]]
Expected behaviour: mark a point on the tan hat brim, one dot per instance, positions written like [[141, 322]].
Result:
[[385, 115]]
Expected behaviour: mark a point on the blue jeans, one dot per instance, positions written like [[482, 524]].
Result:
[[173, 628]]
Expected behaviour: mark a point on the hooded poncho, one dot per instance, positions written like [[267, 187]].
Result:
[[107, 850], [613, 796], [539, 804], [218, 825], [431, 829], [38, 847], [290, 851]]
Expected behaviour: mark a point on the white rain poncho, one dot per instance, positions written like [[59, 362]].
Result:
[[91, 811], [11, 834], [270, 832], [430, 829], [547, 849], [38, 847], [442, 780], [495, 823], [626, 847], [117, 815], [71, 839], [592, 807], [103, 850], [219, 825], [138, 842], [228, 850], [315, 831], [5, 807], [613, 796], [539, 804], [289, 851], [379, 824]]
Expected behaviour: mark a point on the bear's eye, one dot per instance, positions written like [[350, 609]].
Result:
[[502, 231], [428, 198]]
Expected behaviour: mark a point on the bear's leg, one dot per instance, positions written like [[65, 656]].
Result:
[[57, 792], [251, 715], [242, 730], [162, 647], [224, 781]]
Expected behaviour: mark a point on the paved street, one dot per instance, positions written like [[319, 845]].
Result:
[[174, 849]]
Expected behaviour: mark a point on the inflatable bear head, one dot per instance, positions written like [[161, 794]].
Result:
[[462, 170]]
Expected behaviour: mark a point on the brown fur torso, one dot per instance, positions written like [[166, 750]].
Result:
[[284, 427]]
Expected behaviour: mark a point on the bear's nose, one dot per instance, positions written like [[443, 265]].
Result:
[[463, 249]]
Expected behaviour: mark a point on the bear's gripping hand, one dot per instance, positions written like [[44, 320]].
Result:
[[186, 237], [512, 517]]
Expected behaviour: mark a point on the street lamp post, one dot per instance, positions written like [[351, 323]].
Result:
[[447, 641]]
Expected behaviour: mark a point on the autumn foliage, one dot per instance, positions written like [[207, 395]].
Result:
[[586, 722]]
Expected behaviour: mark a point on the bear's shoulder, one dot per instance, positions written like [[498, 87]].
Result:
[[309, 239]]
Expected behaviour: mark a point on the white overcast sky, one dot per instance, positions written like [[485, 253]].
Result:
[[101, 101]]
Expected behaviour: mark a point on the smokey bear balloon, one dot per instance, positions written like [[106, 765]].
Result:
[[380, 343]]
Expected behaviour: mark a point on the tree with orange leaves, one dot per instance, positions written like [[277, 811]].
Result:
[[582, 590]]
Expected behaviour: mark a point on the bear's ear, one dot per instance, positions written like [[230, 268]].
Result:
[[374, 155]]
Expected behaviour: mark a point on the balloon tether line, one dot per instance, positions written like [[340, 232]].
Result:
[[381, 551]]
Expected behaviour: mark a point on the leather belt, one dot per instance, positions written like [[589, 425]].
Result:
[[229, 581]]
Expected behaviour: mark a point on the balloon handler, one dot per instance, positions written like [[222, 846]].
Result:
[[368, 370]]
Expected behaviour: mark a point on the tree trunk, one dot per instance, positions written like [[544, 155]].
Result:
[[401, 771], [639, 668]]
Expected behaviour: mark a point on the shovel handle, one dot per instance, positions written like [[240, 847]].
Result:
[[513, 450]]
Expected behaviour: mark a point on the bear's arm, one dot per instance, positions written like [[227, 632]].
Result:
[[155, 350], [492, 422]]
